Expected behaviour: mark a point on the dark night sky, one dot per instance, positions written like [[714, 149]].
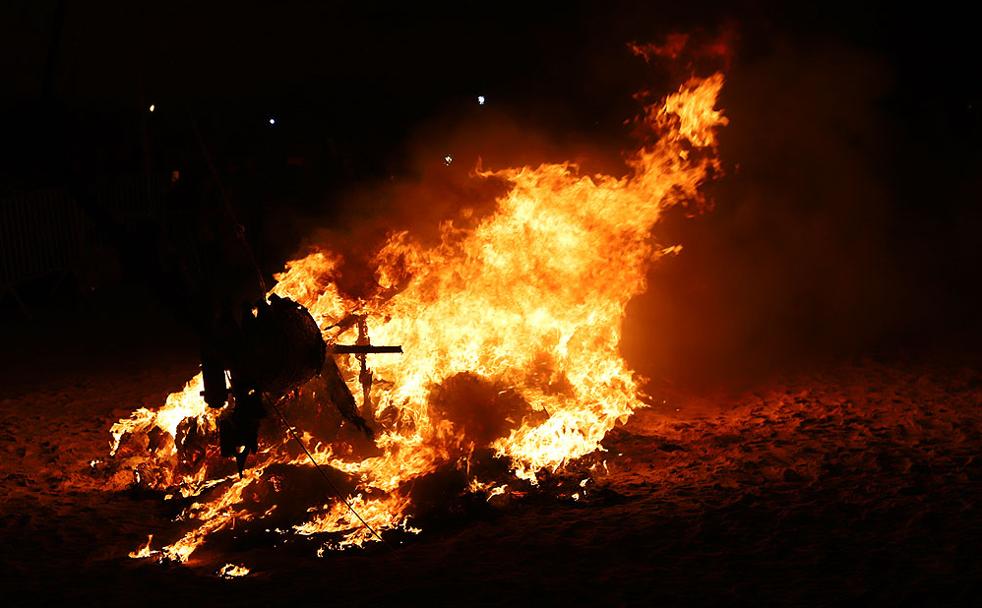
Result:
[[853, 150], [371, 66]]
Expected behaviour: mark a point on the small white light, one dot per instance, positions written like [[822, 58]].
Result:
[[272, 121], [447, 160], [480, 100], [152, 108]]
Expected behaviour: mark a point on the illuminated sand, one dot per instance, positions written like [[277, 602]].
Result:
[[867, 473]]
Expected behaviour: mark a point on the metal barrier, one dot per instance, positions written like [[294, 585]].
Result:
[[45, 233]]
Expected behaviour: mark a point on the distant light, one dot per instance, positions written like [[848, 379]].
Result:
[[272, 121], [480, 100], [448, 160], [152, 108]]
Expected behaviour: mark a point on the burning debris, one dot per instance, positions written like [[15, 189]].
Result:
[[512, 328], [232, 571], [144, 551], [279, 349]]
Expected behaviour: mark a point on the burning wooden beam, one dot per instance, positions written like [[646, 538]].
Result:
[[361, 349]]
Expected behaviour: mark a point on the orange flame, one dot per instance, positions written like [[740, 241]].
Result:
[[233, 571], [529, 302], [144, 551]]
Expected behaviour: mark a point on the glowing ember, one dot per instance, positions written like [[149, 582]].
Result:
[[232, 571], [510, 327], [144, 551], [496, 492]]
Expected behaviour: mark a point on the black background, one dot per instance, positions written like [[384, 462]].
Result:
[[846, 223]]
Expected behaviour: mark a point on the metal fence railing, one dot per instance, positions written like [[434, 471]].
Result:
[[46, 233], [41, 233]]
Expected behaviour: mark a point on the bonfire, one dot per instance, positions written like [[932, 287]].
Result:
[[510, 374]]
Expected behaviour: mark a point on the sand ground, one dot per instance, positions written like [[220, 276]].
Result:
[[859, 481]]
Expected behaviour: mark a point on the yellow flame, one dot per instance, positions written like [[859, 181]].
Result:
[[232, 571], [187, 403], [532, 298], [145, 550]]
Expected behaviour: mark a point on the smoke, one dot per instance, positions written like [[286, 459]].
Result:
[[797, 262], [793, 263], [480, 409], [435, 180]]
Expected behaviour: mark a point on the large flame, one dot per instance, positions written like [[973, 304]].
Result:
[[526, 305]]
